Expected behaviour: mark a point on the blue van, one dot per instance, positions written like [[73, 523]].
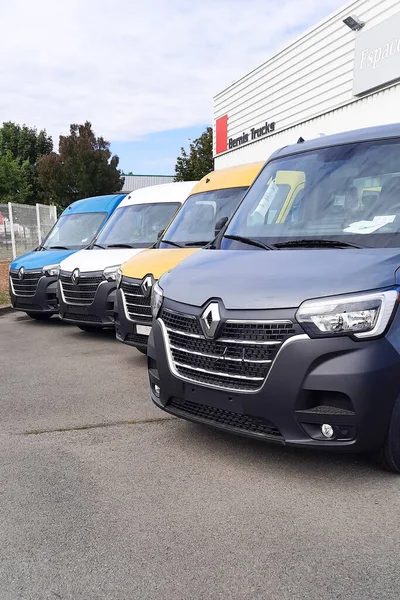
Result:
[[33, 276]]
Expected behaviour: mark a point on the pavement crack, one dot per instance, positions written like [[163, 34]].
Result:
[[98, 425]]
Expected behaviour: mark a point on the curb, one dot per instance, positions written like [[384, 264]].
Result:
[[5, 309]]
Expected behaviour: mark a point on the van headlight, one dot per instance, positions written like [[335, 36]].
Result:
[[51, 270], [110, 273], [359, 315], [157, 295], [118, 277]]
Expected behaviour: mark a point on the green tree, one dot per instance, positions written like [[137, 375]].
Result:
[[25, 145], [15, 183], [199, 161], [83, 167]]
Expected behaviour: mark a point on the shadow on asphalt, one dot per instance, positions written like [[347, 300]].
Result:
[[133, 356], [294, 462], [53, 322], [102, 334]]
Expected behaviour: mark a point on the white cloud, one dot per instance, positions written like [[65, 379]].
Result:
[[131, 67]]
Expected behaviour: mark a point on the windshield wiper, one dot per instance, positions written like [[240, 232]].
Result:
[[200, 243], [97, 246], [248, 241], [119, 246], [315, 243], [171, 243], [57, 248]]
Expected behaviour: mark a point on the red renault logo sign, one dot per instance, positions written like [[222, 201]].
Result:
[[221, 134]]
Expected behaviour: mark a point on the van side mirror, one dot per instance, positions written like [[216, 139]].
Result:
[[220, 224], [160, 233]]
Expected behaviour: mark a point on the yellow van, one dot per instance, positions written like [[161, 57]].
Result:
[[210, 205]]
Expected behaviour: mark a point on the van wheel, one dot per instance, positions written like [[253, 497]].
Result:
[[90, 328], [39, 316], [389, 456]]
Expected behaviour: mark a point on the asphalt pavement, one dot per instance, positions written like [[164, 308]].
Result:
[[103, 496]]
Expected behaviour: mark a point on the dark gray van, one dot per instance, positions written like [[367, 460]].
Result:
[[287, 329]]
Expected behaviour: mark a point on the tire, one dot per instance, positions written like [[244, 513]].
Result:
[[39, 316], [90, 328], [389, 456]]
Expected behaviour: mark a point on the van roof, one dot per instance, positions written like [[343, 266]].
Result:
[[176, 191], [95, 204], [380, 132], [231, 177]]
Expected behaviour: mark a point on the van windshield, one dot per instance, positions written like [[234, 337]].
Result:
[[194, 225], [137, 225], [347, 195], [74, 231]]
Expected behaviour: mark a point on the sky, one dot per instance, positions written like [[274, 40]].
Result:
[[144, 73]]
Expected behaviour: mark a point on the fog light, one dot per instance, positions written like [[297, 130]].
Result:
[[157, 391], [327, 430]]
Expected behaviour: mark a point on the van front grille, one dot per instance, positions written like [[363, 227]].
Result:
[[259, 331], [224, 418], [83, 292], [238, 359], [27, 307], [82, 318], [25, 287], [180, 322], [137, 338], [137, 305]]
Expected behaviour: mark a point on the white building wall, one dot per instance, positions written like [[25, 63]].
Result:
[[299, 87], [135, 182], [380, 108]]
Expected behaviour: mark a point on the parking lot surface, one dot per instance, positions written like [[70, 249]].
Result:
[[144, 506]]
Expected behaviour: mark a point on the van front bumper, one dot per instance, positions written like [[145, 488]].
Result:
[[99, 313], [43, 299], [134, 333], [349, 385]]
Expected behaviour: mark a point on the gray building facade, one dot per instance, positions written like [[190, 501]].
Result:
[[135, 182]]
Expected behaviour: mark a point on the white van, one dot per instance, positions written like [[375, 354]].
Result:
[[87, 279]]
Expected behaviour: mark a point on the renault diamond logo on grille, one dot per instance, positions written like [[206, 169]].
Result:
[[210, 319], [21, 273], [146, 285], [75, 276]]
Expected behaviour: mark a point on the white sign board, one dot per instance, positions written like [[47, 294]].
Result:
[[377, 56]]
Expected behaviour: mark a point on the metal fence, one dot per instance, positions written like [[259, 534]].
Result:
[[23, 227]]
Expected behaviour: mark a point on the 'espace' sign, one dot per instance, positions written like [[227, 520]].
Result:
[[377, 56]]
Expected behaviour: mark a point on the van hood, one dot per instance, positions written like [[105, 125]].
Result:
[[259, 279], [97, 260], [40, 259], [155, 262]]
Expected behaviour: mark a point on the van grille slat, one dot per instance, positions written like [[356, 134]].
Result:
[[230, 366]]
